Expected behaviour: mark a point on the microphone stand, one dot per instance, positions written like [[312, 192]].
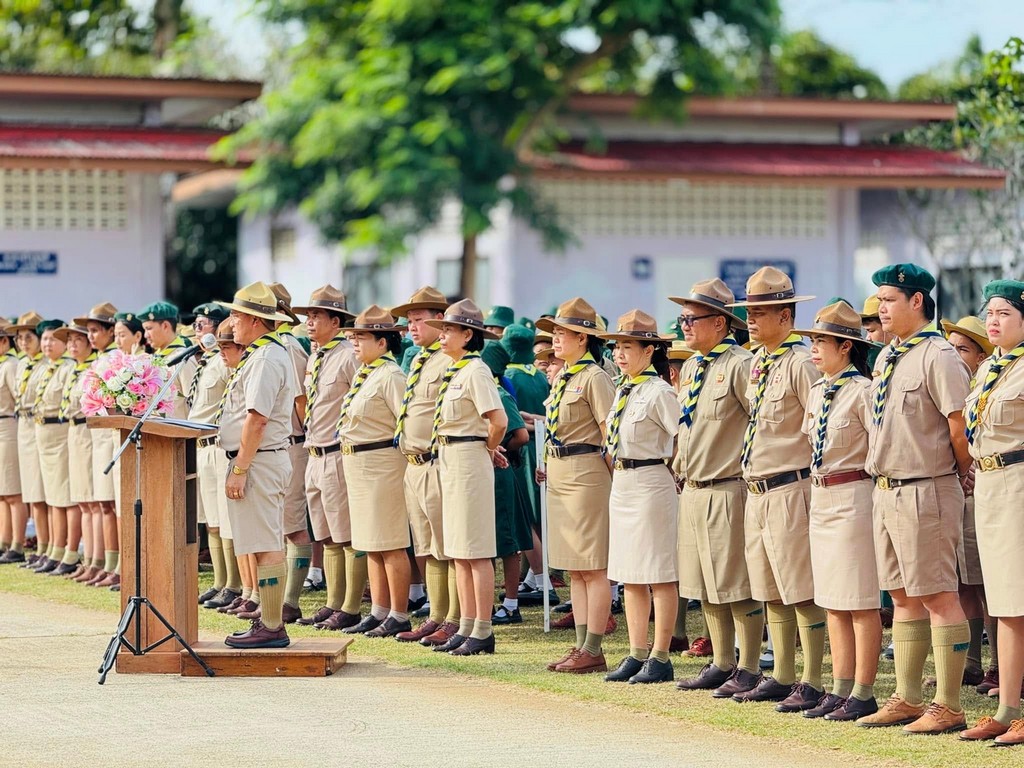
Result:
[[137, 602]]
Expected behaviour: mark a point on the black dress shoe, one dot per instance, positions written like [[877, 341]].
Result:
[[563, 608], [626, 669], [209, 594], [415, 605], [740, 681], [827, 703], [504, 616], [32, 561], [535, 596], [804, 696], [10, 556], [654, 671], [63, 569], [473, 646], [363, 626], [853, 709], [709, 677], [389, 628], [454, 642], [769, 689], [222, 599], [51, 565]]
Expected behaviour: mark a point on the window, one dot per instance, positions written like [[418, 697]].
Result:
[[282, 245], [42, 199]]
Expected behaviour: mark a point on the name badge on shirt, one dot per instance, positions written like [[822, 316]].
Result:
[[455, 387], [576, 390]]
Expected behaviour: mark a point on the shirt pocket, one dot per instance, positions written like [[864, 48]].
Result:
[[573, 408], [631, 426], [839, 432], [1001, 410], [773, 409], [455, 406], [719, 403], [908, 396]]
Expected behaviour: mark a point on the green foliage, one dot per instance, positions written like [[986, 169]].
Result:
[[807, 66], [202, 257], [950, 81]]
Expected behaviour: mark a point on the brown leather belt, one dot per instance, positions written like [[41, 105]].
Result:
[[839, 478], [1000, 460], [701, 484], [348, 450], [325, 451], [762, 486]]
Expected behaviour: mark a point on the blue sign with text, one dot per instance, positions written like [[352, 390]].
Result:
[[28, 263], [734, 272]]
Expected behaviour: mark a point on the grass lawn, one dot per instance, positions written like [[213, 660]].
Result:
[[523, 650]]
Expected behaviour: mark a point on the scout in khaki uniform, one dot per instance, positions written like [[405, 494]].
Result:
[[776, 465], [30, 368], [375, 470], [711, 546], [255, 424], [578, 476], [917, 450], [13, 513], [160, 321], [469, 425], [422, 484], [129, 335], [641, 431], [331, 372], [841, 527]]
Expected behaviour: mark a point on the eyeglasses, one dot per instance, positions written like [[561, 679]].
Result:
[[687, 321], [200, 324]]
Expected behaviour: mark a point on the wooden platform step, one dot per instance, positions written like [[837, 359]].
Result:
[[305, 657]]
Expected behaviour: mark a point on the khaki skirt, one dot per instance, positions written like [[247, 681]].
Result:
[[642, 522], [467, 501], [104, 443], [80, 463], [10, 474], [712, 565], [376, 500], [32, 490], [577, 492], [1000, 528], [52, 445], [211, 471], [843, 547], [968, 560]]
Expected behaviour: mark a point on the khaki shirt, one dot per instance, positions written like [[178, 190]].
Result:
[[337, 371], [1001, 424], [779, 442], [374, 410], [266, 385], [54, 392], [212, 380], [299, 360], [471, 393], [77, 390], [929, 383], [710, 448], [8, 385], [29, 395], [419, 419], [846, 432], [650, 421], [587, 399]]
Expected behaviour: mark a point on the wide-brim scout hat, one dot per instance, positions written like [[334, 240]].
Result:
[[284, 301], [713, 294], [574, 315], [327, 298], [870, 310], [972, 328], [258, 300], [102, 313], [215, 312], [426, 297], [680, 351], [27, 322], [67, 330], [375, 319], [840, 320], [544, 354], [769, 286], [5, 329], [500, 317], [466, 314], [905, 276], [226, 332], [636, 325]]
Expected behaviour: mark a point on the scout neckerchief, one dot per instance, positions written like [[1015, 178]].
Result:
[[45, 380], [976, 409], [314, 378], [30, 363], [357, 383], [826, 405], [65, 400], [890, 365], [767, 360], [611, 443], [10, 354], [526, 368], [262, 341], [414, 378], [551, 422], [445, 382], [180, 342], [193, 386], [703, 363]]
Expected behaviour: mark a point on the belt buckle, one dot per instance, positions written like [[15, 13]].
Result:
[[312, 452], [884, 483], [618, 464], [757, 487], [415, 459], [694, 484], [346, 450], [989, 463], [40, 420], [817, 481]]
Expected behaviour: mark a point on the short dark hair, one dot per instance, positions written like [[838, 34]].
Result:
[[929, 303], [792, 310], [476, 341], [393, 339], [595, 347]]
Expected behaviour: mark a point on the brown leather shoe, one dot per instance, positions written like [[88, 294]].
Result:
[[708, 678], [79, 570], [259, 636], [322, 614], [290, 613], [109, 580], [895, 711], [699, 647], [740, 681], [1013, 737], [428, 627], [568, 655], [339, 620], [769, 689], [986, 729], [441, 635], [990, 681], [583, 663], [252, 615], [238, 604], [611, 626], [95, 580], [566, 622], [87, 575], [804, 696], [389, 628], [937, 718]]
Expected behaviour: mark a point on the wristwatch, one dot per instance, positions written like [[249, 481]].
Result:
[[237, 470]]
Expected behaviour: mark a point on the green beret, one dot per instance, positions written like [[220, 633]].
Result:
[[518, 340], [526, 323], [675, 329], [496, 357], [49, 325], [215, 312], [1011, 290], [905, 276], [500, 317], [159, 310]]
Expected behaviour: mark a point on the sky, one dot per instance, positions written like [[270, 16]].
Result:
[[895, 38]]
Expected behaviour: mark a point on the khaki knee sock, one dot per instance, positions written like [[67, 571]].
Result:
[[950, 644], [232, 576], [640, 654], [592, 643], [246, 593], [782, 628], [911, 640], [297, 559], [41, 547], [216, 558], [748, 619], [680, 628], [57, 554], [271, 582], [334, 576], [659, 655], [437, 588], [974, 651], [454, 610], [355, 580], [254, 596], [117, 565], [98, 562], [810, 623], [722, 632], [482, 629]]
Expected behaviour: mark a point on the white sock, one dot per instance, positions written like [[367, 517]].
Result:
[[378, 612], [531, 580], [510, 605], [315, 574], [415, 591]]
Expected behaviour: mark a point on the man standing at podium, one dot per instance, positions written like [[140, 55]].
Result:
[[255, 424]]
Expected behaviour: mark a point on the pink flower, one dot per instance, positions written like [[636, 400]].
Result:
[[136, 387], [107, 399], [108, 374], [91, 404], [140, 408]]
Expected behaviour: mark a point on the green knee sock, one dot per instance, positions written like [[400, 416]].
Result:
[[437, 588], [842, 687], [722, 632], [334, 576], [782, 628], [592, 643], [271, 582], [232, 576], [297, 559], [748, 619], [355, 580], [454, 610], [581, 635], [810, 622], [974, 651], [680, 628], [950, 644], [911, 640], [216, 558]]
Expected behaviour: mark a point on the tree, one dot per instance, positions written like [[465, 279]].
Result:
[[805, 65], [396, 106], [950, 81]]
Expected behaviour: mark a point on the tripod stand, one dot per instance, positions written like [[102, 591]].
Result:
[[137, 602]]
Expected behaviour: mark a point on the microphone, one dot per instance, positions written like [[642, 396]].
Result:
[[209, 341]]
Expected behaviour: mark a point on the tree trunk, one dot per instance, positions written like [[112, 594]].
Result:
[[467, 273], [167, 17]]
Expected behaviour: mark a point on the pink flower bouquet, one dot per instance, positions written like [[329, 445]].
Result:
[[126, 384]]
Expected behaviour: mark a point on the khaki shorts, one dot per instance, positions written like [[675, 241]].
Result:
[[917, 531], [295, 497], [778, 549], [257, 521], [327, 496], [967, 557], [423, 503], [711, 543]]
